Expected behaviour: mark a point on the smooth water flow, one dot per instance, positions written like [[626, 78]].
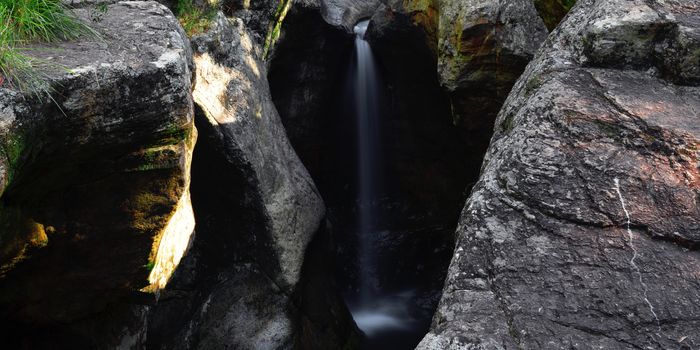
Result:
[[377, 314], [367, 110]]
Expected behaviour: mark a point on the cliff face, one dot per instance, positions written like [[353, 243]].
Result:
[[95, 209], [582, 231]]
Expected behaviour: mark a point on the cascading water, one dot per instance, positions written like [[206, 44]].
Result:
[[383, 318], [367, 109]]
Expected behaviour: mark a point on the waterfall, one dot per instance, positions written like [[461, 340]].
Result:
[[367, 110], [376, 313]]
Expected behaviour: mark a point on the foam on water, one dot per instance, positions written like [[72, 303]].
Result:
[[386, 313]]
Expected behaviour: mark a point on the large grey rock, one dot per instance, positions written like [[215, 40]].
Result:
[[95, 211], [257, 209], [584, 227], [231, 87]]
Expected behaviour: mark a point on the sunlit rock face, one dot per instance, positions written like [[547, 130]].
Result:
[[95, 180], [584, 227], [177, 235]]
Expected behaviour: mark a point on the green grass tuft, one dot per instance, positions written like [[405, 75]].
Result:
[[20, 72], [194, 19], [25, 21], [40, 20]]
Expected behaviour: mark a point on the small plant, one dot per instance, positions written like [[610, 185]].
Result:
[[273, 32], [193, 18], [149, 266], [98, 12], [25, 21]]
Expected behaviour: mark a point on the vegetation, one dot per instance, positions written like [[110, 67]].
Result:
[[149, 266], [25, 21], [16, 69], [273, 32], [194, 19]]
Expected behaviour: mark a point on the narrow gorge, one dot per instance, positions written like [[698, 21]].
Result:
[[350, 174]]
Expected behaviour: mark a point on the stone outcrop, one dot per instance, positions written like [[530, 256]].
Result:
[[420, 17], [257, 211], [483, 48], [345, 13], [583, 229], [95, 210]]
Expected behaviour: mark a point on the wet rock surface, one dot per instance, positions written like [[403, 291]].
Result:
[[582, 231], [95, 180]]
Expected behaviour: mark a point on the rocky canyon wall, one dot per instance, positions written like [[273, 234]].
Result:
[[582, 230]]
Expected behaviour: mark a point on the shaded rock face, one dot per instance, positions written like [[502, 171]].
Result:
[[422, 15], [583, 229], [483, 48], [94, 199], [553, 11], [307, 76], [257, 211]]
